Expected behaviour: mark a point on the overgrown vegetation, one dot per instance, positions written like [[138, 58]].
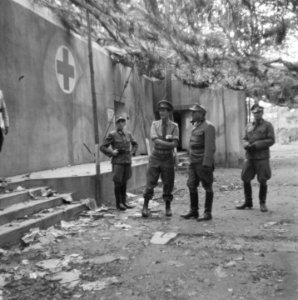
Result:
[[241, 44]]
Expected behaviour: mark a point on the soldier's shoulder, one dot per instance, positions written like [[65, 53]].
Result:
[[209, 123], [267, 123], [173, 123]]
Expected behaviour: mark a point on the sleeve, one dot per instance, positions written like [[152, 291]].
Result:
[[134, 144], [209, 146], [245, 141], [153, 131], [105, 147], [268, 141], [175, 134]]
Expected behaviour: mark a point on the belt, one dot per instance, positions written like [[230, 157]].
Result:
[[164, 152], [194, 147]]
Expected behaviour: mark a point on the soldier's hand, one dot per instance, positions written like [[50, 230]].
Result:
[[115, 152]]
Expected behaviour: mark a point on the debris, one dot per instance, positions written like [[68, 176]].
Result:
[[176, 263], [100, 285], [231, 263], [31, 236], [219, 272], [162, 238], [25, 262], [35, 275], [67, 198], [19, 189], [3, 278], [53, 265], [70, 279], [2, 252], [90, 203], [122, 226], [269, 224], [104, 259]]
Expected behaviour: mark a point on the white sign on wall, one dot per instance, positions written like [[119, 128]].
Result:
[[65, 69], [110, 114]]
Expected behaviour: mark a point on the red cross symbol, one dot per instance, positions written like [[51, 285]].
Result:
[[65, 69]]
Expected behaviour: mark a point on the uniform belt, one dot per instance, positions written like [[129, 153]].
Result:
[[162, 151], [194, 147]]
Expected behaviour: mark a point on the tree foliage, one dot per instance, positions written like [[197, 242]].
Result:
[[241, 44]]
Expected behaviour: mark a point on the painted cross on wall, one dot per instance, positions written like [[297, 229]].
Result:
[[65, 69]]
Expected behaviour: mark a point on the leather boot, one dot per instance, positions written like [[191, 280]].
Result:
[[118, 196], [145, 210], [247, 196], [208, 207], [123, 197], [194, 202], [262, 197], [168, 209]]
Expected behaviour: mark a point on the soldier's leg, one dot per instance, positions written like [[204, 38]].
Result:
[[206, 176], [118, 171], [126, 176], [168, 178], [192, 183], [151, 182], [263, 174], [247, 175]]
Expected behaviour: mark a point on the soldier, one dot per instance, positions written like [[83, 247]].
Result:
[[258, 137], [4, 119], [165, 136], [201, 155], [123, 146]]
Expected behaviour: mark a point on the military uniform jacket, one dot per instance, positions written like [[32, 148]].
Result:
[[122, 141], [262, 136], [4, 119], [202, 144], [156, 132]]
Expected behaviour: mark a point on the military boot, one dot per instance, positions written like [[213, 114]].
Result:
[[247, 196], [118, 197], [168, 209], [194, 202], [123, 197], [145, 210], [208, 207], [262, 197]]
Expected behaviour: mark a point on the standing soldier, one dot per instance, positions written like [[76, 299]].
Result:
[[4, 119], [121, 151], [201, 155], [165, 136], [258, 137]]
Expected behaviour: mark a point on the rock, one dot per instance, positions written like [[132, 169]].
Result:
[[162, 238]]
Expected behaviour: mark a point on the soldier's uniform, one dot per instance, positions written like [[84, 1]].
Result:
[[123, 141], [161, 161], [201, 155], [259, 136]]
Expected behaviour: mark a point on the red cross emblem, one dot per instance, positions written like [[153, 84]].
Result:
[[65, 69]]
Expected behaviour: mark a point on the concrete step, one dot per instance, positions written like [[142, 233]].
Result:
[[12, 198], [28, 208], [11, 233]]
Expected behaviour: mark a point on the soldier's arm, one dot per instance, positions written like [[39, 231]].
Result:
[[105, 147], [245, 141], [134, 145], [268, 141], [209, 146]]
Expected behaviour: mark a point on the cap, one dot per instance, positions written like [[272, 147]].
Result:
[[257, 108], [198, 107], [120, 118], [165, 104]]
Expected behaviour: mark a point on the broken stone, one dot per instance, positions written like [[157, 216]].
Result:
[[90, 203], [53, 265], [31, 236], [230, 264], [35, 275], [100, 284], [67, 198], [162, 238], [70, 279], [269, 224], [19, 189], [122, 226], [3, 278], [104, 259]]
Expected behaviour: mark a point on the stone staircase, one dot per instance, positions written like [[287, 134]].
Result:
[[24, 208]]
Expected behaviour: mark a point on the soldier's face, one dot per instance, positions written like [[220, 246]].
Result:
[[258, 115], [120, 124], [198, 116], [164, 113]]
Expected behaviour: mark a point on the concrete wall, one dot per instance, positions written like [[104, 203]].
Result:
[[52, 118]]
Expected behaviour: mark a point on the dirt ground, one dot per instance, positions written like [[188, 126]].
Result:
[[238, 255]]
